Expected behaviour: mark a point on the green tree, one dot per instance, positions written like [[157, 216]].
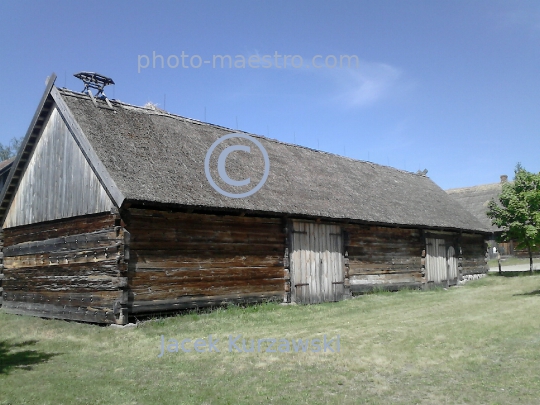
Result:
[[517, 212], [10, 150]]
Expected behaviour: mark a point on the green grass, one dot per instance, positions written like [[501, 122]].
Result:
[[475, 344], [511, 261]]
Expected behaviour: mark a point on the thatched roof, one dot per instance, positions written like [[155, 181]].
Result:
[[6, 164], [475, 200], [157, 157], [5, 167]]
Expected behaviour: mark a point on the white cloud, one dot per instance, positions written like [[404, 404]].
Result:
[[368, 84], [359, 86]]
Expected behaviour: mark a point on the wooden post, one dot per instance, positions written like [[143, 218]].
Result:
[[346, 280], [287, 277], [530, 259], [499, 262]]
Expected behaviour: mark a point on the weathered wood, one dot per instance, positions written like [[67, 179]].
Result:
[[229, 273], [179, 260], [452, 265], [216, 292], [127, 241], [382, 269], [14, 282], [87, 150], [34, 130], [380, 257], [316, 262], [66, 244], [189, 260], [97, 299], [201, 246], [175, 260], [186, 302], [436, 260], [54, 270], [58, 182], [1, 266], [87, 314], [60, 228], [473, 251], [394, 286], [57, 258]]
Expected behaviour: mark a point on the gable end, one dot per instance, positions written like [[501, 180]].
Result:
[[58, 182]]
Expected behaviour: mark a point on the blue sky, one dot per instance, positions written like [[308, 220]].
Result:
[[451, 86]]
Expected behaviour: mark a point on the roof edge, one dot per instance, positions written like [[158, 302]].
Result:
[[158, 206], [5, 165], [26, 149], [88, 151]]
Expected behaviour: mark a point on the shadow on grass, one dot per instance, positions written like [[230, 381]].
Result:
[[18, 355], [535, 292]]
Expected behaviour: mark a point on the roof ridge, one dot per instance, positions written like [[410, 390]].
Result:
[[479, 186]]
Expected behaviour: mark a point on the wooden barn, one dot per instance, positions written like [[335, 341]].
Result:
[[5, 167], [475, 199], [108, 213]]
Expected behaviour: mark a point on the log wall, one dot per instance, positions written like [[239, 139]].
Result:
[[395, 258], [68, 269], [182, 260], [472, 259], [101, 267], [387, 258]]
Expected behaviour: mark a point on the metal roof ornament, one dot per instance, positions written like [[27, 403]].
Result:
[[97, 82]]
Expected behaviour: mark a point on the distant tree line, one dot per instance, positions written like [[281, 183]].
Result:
[[9, 150]]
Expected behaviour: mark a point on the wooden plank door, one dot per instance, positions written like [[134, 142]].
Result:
[[436, 270], [334, 270], [317, 265], [452, 266]]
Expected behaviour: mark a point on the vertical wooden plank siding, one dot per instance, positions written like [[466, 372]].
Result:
[[338, 263], [181, 260], [451, 256], [325, 262], [436, 260], [311, 266], [441, 260], [68, 269], [58, 181], [317, 263], [300, 263], [453, 274]]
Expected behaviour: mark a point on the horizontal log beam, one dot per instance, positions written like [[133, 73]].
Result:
[[138, 307]]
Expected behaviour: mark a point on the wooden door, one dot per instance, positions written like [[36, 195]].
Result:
[[436, 270], [452, 266], [317, 265]]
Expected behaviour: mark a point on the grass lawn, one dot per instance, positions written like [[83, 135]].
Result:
[[475, 344], [512, 261]]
